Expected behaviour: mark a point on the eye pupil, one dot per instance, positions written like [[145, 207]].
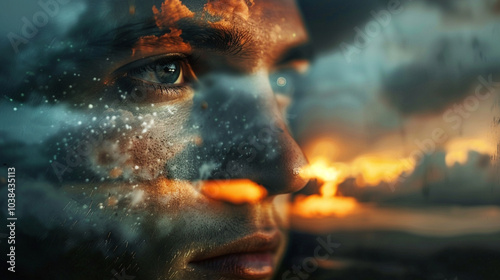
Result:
[[170, 68], [168, 73]]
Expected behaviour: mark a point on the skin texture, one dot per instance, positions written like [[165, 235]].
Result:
[[145, 150]]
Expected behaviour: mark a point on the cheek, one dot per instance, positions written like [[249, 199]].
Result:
[[137, 146], [281, 205], [161, 210], [150, 152]]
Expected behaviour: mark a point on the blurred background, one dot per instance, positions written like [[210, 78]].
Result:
[[399, 119]]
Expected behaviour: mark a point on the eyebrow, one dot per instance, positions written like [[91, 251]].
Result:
[[199, 35]]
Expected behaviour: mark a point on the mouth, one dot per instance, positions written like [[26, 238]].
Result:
[[251, 257]]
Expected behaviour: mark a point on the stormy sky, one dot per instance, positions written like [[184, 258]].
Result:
[[420, 63], [384, 82]]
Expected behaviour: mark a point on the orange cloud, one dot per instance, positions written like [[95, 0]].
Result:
[[236, 191], [170, 12], [172, 40], [167, 16], [229, 8]]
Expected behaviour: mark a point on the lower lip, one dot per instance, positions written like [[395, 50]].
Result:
[[243, 265]]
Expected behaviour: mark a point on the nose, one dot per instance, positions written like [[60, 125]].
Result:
[[242, 136]]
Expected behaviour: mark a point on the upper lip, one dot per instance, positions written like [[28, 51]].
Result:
[[255, 243]]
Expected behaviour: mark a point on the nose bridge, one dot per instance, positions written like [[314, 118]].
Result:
[[245, 102], [243, 135]]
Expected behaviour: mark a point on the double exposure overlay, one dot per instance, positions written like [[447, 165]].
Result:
[[250, 139]]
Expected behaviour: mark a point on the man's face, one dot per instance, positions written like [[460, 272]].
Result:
[[175, 96]]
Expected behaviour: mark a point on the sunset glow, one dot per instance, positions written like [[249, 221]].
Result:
[[326, 203], [457, 150], [372, 170], [236, 191]]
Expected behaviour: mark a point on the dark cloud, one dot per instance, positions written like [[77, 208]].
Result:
[[330, 21], [447, 74], [445, 5], [435, 184]]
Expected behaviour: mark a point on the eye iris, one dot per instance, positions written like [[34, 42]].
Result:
[[281, 81], [168, 73]]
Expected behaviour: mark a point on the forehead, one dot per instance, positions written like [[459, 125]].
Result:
[[260, 14], [153, 27]]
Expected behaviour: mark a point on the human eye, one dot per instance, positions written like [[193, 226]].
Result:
[[283, 82], [286, 78], [159, 79]]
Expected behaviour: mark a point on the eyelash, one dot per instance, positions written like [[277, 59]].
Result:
[[159, 92]]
